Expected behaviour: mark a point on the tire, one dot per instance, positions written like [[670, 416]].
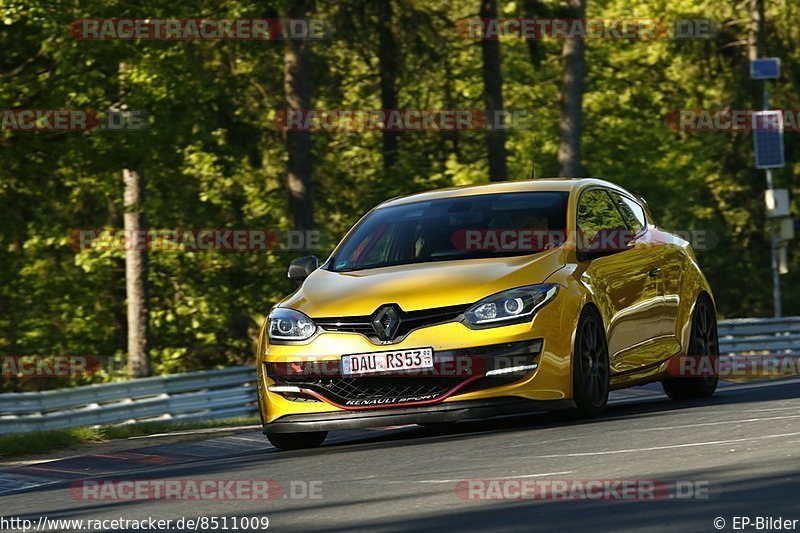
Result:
[[590, 366], [297, 441], [703, 341]]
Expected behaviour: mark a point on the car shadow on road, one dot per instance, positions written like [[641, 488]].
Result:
[[630, 410], [744, 494]]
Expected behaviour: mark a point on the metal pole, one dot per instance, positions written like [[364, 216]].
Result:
[[773, 231], [776, 276]]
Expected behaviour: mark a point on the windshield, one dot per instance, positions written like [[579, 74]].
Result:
[[464, 227]]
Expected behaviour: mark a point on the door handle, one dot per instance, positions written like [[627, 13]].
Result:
[[655, 271]]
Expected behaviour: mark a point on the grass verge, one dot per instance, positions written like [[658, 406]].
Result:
[[19, 444]]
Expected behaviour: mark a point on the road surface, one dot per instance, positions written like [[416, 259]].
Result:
[[741, 446]]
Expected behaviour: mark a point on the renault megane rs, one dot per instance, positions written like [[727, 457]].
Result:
[[482, 301]]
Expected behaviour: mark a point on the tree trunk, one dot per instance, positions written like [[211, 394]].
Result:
[[389, 66], [755, 41], [572, 87], [493, 98], [136, 275], [448, 137], [298, 143], [118, 291], [535, 9]]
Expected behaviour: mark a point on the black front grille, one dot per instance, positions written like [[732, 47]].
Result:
[[409, 321], [450, 371], [348, 324], [380, 390]]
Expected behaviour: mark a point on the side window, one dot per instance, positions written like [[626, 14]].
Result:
[[597, 212], [631, 212]]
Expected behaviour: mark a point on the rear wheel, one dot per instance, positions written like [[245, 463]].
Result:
[[297, 441], [703, 342], [590, 368]]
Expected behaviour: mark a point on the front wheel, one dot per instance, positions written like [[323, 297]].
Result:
[[590, 366], [703, 342], [297, 441]]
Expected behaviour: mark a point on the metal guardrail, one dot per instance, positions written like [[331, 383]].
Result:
[[208, 394], [231, 392], [754, 335]]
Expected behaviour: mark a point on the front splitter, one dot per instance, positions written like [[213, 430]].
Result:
[[443, 412]]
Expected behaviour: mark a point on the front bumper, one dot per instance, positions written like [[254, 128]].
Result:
[[444, 412], [454, 371], [550, 381]]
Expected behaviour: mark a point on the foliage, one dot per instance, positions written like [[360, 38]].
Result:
[[213, 158]]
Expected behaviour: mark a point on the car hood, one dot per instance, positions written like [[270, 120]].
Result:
[[419, 286]]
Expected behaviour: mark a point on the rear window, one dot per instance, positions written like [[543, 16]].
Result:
[[448, 229]]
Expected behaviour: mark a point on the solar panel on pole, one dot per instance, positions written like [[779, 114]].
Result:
[[768, 139], [768, 68]]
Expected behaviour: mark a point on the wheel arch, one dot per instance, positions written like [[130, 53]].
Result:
[[589, 304]]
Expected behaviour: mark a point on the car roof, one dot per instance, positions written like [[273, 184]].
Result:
[[540, 184]]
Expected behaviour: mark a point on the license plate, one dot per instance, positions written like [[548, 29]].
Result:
[[378, 362]]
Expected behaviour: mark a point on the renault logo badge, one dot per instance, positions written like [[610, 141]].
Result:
[[385, 322]]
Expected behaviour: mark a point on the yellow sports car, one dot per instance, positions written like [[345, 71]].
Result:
[[482, 301]]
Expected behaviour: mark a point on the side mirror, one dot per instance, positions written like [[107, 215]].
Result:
[[301, 268], [606, 242]]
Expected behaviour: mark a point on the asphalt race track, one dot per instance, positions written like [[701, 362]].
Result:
[[742, 445]]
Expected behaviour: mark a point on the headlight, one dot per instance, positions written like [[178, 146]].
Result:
[[510, 307], [289, 325]]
